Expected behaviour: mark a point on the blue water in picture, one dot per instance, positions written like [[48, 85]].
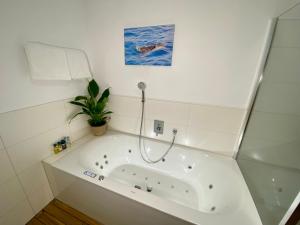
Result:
[[151, 45]]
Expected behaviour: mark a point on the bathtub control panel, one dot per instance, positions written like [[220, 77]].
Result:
[[158, 127], [90, 174]]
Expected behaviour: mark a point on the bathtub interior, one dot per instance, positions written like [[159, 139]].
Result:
[[186, 176], [159, 184]]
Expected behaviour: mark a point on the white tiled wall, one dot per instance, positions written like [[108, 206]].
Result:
[[6, 169], [211, 128], [279, 101], [26, 137], [20, 125], [35, 184], [78, 127], [287, 34], [283, 61], [11, 193], [14, 206], [1, 144], [18, 215]]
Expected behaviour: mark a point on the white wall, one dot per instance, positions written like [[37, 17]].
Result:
[[60, 22], [216, 51]]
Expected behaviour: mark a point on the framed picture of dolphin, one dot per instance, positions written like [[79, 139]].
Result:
[[152, 45]]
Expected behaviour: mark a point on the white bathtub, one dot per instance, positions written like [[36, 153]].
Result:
[[190, 186]]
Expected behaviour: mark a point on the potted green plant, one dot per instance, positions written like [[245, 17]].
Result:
[[94, 107]]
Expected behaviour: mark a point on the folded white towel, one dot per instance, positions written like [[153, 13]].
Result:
[[47, 62], [78, 64]]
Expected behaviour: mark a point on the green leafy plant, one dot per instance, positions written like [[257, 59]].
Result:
[[93, 105]]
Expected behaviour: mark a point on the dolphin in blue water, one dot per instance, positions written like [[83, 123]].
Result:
[[149, 48]]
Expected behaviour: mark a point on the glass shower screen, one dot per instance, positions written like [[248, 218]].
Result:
[[269, 155]]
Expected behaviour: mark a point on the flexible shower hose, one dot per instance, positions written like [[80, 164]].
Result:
[[143, 153]]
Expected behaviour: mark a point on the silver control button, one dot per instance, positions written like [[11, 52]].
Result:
[[90, 174]]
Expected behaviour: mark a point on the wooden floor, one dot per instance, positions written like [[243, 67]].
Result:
[[58, 213]]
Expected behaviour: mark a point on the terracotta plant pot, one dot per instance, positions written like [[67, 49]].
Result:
[[99, 131]]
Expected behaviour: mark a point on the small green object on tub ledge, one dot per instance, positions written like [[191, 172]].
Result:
[[94, 107]]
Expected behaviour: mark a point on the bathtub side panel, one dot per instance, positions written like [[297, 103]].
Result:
[[103, 205], [59, 181]]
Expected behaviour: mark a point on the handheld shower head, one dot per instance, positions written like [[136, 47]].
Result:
[[141, 86]]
